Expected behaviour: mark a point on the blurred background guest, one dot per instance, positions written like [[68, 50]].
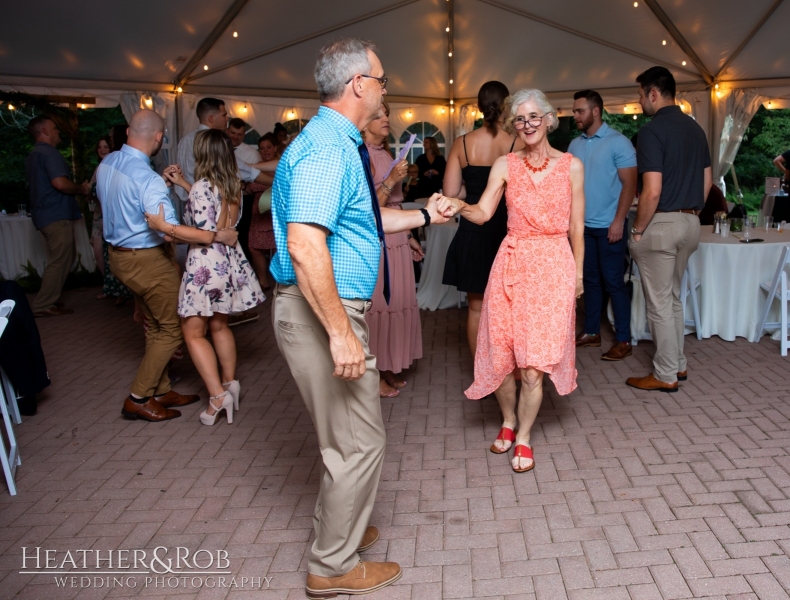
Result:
[[281, 134], [474, 247], [111, 288], [395, 330], [247, 154], [431, 166], [410, 187], [261, 238]]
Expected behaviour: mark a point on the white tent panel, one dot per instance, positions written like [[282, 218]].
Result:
[[767, 55]]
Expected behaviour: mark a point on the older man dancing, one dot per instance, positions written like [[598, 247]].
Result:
[[330, 231], [128, 188]]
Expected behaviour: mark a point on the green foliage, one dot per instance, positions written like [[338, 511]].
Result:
[[561, 137], [80, 131], [625, 124], [767, 136]]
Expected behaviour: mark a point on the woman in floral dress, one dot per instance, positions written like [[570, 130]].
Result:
[[218, 279], [528, 317]]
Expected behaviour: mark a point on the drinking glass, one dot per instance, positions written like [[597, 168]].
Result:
[[21, 209], [725, 228], [747, 228], [769, 221]]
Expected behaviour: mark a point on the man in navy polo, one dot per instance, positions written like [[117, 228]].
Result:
[[609, 188]]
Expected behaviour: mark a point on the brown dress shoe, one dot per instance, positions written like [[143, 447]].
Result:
[[366, 577], [683, 375], [173, 398], [371, 537], [53, 312], [651, 384], [618, 351], [150, 411], [585, 339]]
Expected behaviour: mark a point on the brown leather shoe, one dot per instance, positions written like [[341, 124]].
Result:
[[618, 351], [53, 312], [371, 537], [683, 375], [585, 339], [651, 384], [173, 398], [366, 577], [150, 411]]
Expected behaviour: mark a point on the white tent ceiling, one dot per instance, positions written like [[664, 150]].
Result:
[[555, 45]]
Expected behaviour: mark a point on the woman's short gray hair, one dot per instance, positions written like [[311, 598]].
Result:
[[520, 97], [337, 63]]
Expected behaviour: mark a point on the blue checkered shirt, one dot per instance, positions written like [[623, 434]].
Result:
[[320, 180]]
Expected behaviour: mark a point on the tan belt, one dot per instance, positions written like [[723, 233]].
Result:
[[119, 249], [360, 306], [688, 211]]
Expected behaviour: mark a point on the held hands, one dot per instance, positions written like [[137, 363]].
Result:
[[448, 207], [348, 356], [174, 175], [432, 206]]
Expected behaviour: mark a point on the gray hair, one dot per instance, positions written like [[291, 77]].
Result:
[[337, 63], [513, 103]]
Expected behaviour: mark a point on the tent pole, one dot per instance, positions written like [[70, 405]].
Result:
[[450, 71]]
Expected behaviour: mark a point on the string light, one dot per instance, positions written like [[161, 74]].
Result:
[[449, 54], [244, 108], [409, 113], [769, 104], [683, 63], [291, 114], [179, 89], [452, 101], [636, 4], [635, 117], [452, 110], [663, 42], [444, 110], [447, 29], [205, 67], [716, 86], [11, 107], [451, 82], [235, 34]]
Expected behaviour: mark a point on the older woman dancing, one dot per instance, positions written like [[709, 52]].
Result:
[[529, 308]]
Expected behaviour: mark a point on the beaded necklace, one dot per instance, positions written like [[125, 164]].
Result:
[[536, 169]]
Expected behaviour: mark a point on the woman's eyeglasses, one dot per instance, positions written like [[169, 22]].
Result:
[[521, 122]]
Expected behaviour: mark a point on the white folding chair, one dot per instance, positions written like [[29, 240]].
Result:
[[11, 397], [777, 289], [9, 456], [688, 287]]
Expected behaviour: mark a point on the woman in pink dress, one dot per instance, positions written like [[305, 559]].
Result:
[[529, 309], [395, 330]]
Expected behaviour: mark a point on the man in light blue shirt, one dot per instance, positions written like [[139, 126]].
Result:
[[128, 188], [609, 189]]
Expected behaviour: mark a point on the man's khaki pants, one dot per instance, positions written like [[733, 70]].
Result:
[[154, 280], [59, 237], [347, 418], [662, 255]]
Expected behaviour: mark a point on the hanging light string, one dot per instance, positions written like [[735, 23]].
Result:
[[450, 61]]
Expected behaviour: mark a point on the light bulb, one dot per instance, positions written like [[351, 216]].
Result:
[[452, 101], [447, 29], [636, 4], [663, 42], [179, 89], [235, 34], [634, 117], [11, 107], [451, 82], [244, 108], [769, 104], [452, 110], [716, 86], [444, 110], [205, 67], [449, 54], [683, 63]]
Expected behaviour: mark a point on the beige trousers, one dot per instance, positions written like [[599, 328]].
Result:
[[60, 255], [347, 418], [155, 281], [662, 255]]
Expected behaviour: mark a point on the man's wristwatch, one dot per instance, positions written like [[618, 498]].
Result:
[[635, 232], [426, 216]]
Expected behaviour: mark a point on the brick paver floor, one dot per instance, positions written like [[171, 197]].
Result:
[[635, 495]]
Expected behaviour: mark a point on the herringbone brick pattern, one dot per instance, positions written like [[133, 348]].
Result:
[[635, 495]]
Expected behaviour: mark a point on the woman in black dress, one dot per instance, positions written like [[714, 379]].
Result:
[[432, 166], [474, 247]]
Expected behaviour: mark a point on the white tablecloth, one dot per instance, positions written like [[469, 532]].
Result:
[[431, 294], [21, 244], [730, 274]]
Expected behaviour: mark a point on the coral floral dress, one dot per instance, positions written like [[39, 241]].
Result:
[[529, 307]]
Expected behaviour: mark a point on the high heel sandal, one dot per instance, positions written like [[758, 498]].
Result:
[[235, 390], [227, 406], [506, 434]]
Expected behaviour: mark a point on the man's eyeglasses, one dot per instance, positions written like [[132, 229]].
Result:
[[382, 80], [521, 122]]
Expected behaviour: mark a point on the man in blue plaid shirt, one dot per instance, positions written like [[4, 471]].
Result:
[[329, 237]]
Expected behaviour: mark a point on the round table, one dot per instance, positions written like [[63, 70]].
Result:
[[432, 294], [730, 273], [22, 247]]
